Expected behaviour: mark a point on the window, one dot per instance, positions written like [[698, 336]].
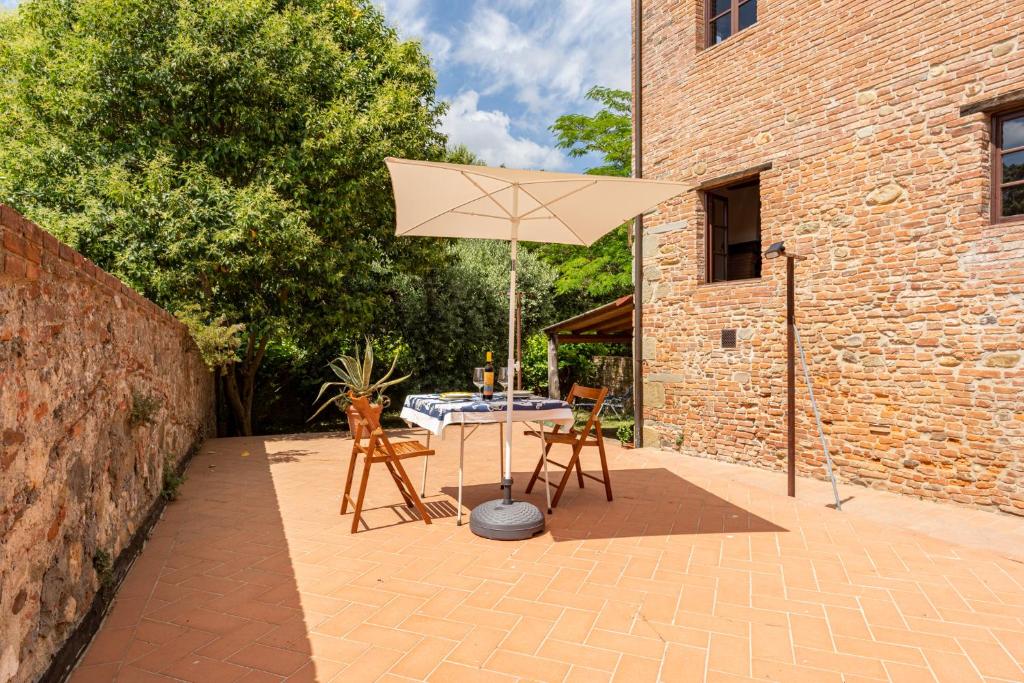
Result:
[[733, 234], [726, 17], [1008, 166]]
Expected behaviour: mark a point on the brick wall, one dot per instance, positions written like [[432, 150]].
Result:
[[911, 302], [76, 476]]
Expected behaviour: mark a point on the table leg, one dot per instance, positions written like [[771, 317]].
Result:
[[462, 451], [544, 459], [423, 488]]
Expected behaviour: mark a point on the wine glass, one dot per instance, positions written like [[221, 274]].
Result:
[[503, 377], [478, 379]]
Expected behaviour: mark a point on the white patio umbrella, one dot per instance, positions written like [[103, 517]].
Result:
[[451, 200]]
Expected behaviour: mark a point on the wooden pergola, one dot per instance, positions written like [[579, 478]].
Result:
[[611, 323]]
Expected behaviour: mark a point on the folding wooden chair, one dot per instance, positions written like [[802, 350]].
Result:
[[577, 438], [365, 424]]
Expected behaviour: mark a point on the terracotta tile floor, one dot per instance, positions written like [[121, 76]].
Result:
[[698, 571]]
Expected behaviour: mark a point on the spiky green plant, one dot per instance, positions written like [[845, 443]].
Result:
[[355, 378]]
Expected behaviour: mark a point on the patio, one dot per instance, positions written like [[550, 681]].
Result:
[[697, 571]]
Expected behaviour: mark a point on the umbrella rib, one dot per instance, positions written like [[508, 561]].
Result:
[[557, 218], [456, 208], [476, 215], [487, 194], [556, 199]]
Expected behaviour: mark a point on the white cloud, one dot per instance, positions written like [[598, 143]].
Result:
[[410, 18], [489, 135], [553, 56]]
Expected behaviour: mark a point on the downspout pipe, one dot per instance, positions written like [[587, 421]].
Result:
[[638, 227]]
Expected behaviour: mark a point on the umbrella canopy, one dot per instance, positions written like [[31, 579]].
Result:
[[452, 200]]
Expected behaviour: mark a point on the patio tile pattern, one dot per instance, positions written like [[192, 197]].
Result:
[[698, 571]]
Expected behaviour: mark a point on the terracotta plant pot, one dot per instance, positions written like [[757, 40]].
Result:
[[354, 418]]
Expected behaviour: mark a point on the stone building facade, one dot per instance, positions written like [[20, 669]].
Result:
[[866, 131], [100, 391]]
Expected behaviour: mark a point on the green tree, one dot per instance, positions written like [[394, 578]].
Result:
[[451, 315], [223, 157], [590, 276], [607, 133]]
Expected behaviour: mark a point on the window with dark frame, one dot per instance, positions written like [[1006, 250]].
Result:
[[733, 231], [1008, 166], [726, 17]]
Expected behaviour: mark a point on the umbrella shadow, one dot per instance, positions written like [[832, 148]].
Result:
[[647, 502]]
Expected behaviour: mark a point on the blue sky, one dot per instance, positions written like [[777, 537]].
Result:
[[508, 68]]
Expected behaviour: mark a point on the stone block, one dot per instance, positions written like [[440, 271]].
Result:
[[652, 437], [650, 347], [654, 394], [1002, 360]]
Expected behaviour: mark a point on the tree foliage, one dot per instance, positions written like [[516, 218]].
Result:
[[590, 276], [451, 315], [607, 133], [221, 155]]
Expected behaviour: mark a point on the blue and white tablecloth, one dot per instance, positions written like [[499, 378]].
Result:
[[432, 413]]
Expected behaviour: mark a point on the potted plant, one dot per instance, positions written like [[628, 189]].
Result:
[[355, 380]]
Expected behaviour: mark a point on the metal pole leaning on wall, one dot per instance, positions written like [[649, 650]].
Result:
[[817, 418]]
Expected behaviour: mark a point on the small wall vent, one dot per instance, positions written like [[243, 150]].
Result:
[[728, 339]]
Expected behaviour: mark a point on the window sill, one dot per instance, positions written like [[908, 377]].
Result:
[[734, 39], [1009, 220], [731, 283]]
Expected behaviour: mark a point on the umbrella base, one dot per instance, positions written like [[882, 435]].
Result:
[[502, 522]]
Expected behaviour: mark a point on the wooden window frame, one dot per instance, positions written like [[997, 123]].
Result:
[[997, 166], [734, 23], [707, 194]]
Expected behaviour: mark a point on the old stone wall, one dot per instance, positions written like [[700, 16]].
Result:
[[615, 373], [911, 300], [78, 472]]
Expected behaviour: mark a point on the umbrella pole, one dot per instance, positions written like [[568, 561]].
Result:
[[506, 519], [506, 483]]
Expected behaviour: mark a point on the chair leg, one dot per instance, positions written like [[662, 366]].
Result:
[[579, 473], [574, 462], [358, 511], [604, 467], [415, 499], [399, 484], [348, 481]]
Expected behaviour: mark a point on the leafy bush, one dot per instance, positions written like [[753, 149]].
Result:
[[575, 363], [625, 434], [451, 314], [218, 341]]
